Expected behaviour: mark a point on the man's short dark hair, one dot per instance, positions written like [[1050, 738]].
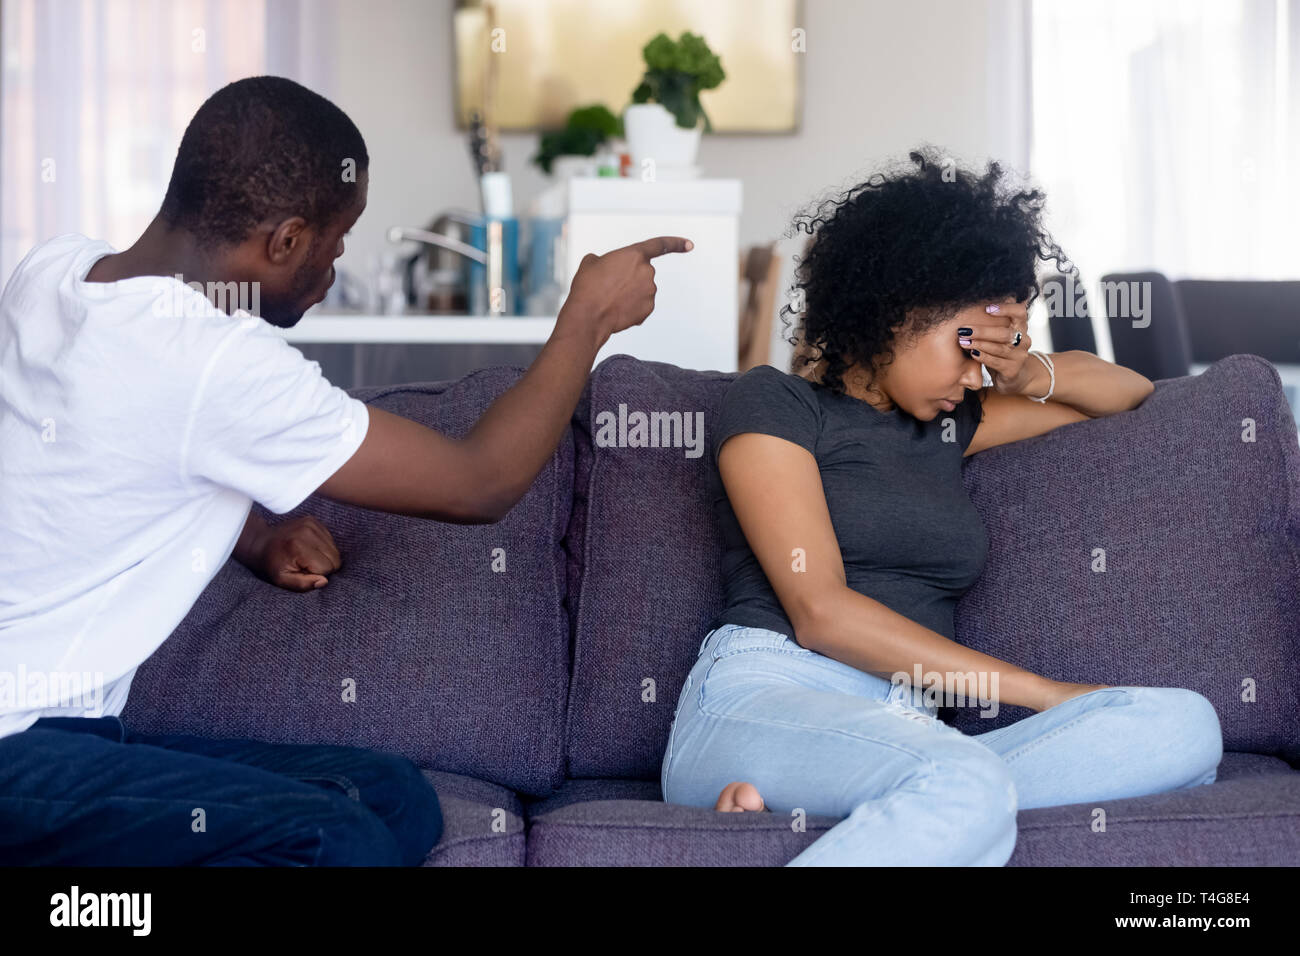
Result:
[[261, 148]]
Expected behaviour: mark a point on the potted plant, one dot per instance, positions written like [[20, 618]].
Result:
[[586, 130], [663, 122]]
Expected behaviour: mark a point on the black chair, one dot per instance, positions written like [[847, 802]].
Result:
[[1225, 317], [1158, 347], [1068, 315]]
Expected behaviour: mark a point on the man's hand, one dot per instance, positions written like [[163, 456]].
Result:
[[617, 290], [405, 468], [295, 555]]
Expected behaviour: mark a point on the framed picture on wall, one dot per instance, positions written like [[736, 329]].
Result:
[[550, 56]]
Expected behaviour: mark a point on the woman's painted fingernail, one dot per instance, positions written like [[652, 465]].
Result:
[[963, 341], [963, 331], [974, 351], [993, 309]]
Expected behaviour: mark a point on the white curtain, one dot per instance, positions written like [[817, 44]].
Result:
[[1167, 135], [95, 94]]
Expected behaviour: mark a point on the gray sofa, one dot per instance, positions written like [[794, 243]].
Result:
[[538, 694]]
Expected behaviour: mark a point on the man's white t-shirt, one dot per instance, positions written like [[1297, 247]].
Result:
[[138, 423]]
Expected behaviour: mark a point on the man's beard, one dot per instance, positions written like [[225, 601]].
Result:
[[286, 313]]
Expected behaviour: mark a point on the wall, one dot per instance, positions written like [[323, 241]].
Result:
[[879, 77]]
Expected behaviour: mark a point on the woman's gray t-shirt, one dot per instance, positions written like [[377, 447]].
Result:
[[908, 533]]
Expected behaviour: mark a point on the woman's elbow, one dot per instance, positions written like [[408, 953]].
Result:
[[1148, 388], [811, 624]]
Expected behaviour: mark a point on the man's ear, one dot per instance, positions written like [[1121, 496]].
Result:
[[286, 240]]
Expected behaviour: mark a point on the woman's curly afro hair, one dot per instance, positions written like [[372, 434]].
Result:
[[906, 250]]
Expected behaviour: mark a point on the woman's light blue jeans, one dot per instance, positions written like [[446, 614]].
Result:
[[817, 735]]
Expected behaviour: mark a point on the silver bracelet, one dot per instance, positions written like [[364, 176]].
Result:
[[1051, 371]]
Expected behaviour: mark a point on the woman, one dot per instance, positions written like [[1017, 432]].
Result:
[[850, 537]]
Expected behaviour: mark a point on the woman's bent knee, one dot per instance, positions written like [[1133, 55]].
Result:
[[986, 783], [958, 811], [1184, 728], [973, 795], [1204, 734]]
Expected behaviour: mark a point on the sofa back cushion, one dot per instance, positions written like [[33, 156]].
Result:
[[644, 564], [1159, 547], [458, 651]]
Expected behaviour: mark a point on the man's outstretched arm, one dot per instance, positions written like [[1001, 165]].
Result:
[[403, 467]]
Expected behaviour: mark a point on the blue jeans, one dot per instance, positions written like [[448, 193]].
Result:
[[88, 791], [818, 736]]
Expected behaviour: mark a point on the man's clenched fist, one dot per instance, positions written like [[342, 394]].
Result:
[[296, 554]]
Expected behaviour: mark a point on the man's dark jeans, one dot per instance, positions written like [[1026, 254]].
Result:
[[89, 791]]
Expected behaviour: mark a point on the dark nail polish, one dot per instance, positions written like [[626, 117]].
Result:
[[963, 332], [974, 351]]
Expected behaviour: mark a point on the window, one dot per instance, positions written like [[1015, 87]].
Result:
[[95, 95], [1167, 132]]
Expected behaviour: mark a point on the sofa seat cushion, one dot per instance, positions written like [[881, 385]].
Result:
[[1250, 817], [1235, 765], [1252, 820], [444, 643], [482, 824], [589, 789], [1156, 548], [1232, 766], [654, 833]]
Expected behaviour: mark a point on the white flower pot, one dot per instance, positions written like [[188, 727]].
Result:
[[652, 133]]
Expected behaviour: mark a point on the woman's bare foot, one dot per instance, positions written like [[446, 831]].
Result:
[[737, 797]]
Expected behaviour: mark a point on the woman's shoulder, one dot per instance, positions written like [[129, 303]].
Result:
[[767, 390], [769, 401], [768, 380]]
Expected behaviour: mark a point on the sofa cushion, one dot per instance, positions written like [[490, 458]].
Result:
[[482, 824], [589, 789], [1249, 821], [1252, 819], [458, 667], [1231, 767], [1200, 535], [654, 833], [1235, 765], [644, 574]]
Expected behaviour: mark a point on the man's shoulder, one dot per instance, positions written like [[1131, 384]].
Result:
[[68, 242], [171, 326], [48, 262]]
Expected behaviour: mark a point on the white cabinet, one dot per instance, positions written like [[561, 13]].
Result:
[[694, 321]]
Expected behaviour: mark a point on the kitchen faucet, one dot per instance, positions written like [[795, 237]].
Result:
[[492, 259]]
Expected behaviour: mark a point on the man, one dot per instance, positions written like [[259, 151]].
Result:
[[139, 419]]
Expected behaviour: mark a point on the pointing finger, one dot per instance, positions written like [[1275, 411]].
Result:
[[661, 245]]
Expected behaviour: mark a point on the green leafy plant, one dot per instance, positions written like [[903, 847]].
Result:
[[676, 72], [584, 132]]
